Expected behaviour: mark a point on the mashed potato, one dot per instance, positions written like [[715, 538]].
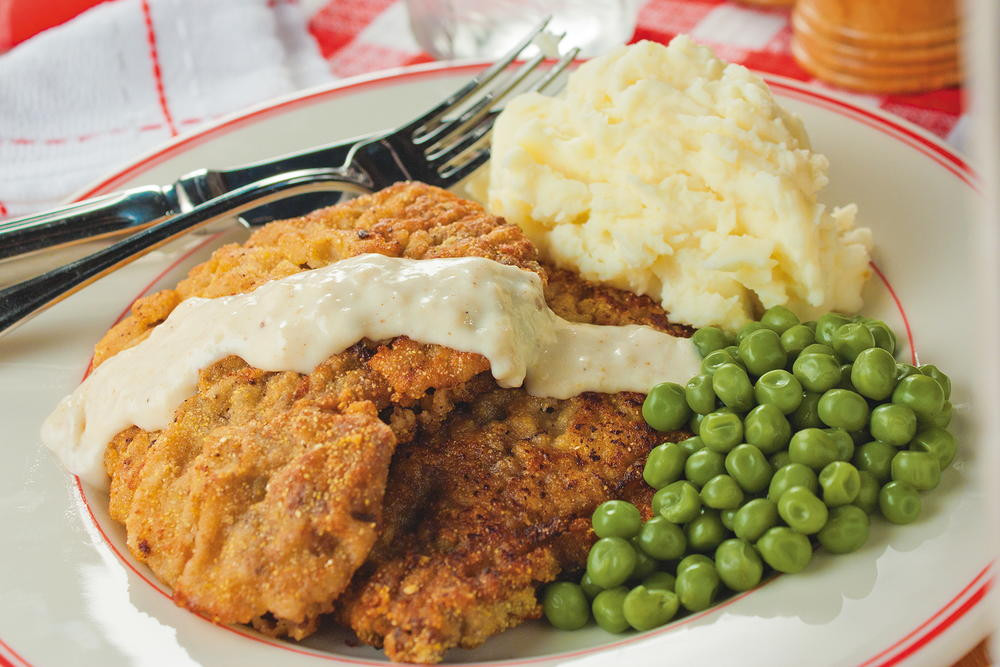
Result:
[[666, 171]]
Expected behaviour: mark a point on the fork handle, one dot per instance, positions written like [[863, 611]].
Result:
[[90, 219], [22, 301]]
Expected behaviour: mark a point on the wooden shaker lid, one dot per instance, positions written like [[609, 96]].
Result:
[[879, 46]]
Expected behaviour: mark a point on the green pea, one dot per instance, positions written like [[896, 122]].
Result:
[[664, 465], [646, 608], [779, 319], [697, 586], [727, 517], [899, 502], [662, 539], [873, 374], [755, 518], [732, 385], [920, 470], [930, 370], [797, 338], [818, 348], [812, 447], [937, 442], [608, 611], [693, 559], [844, 442], [893, 424], [920, 393], [780, 389], [811, 324], [705, 531], [734, 352], [840, 482], [748, 329], [717, 358], [845, 377], [722, 492], [738, 564], [721, 431], [816, 372], [610, 561], [616, 518], [807, 414], [761, 352], [905, 370], [703, 465], [565, 606], [695, 424], [860, 437], [665, 407], [699, 394], [876, 458], [844, 409], [793, 474], [590, 589], [941, 419], [802, 510], [678, 502], [779, 460], [845, 531], [748, 466], [827, 325], [662, 581], [710, 339], [852, 339], [645, 565], [691, 445], [884, 338], [868, 492], [766, 428], [785, 550]]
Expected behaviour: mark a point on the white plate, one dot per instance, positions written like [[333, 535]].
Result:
[[71, 593]]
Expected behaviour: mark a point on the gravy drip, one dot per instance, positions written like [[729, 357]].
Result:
[[469, 304]]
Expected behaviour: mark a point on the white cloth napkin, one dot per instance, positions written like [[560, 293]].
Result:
[[80, 99]]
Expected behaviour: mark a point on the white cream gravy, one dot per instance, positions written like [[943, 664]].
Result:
[[470, 304]]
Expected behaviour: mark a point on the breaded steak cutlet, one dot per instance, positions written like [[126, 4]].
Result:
[[261, 499], [481, 512], [395, 471]]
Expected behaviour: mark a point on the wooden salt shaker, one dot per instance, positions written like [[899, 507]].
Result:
[[883, 46]]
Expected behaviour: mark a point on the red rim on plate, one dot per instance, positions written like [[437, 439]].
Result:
[[958, 607]]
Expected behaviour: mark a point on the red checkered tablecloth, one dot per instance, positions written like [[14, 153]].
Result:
[[360, 36]]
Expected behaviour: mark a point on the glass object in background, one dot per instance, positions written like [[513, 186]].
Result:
[[455, 29]]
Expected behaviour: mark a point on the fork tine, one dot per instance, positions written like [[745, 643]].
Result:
[[485, 125], [471, 136], [556, 70], [481, 107], [456, 174], [478, 82]]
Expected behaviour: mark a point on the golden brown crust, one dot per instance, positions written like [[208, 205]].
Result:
[[479, 514], [579, 300]]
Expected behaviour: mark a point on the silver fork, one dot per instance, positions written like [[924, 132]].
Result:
[[436, 148]]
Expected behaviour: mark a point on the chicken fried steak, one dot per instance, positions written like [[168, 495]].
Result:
[[262, 497], [396, 473], [481, 512]]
